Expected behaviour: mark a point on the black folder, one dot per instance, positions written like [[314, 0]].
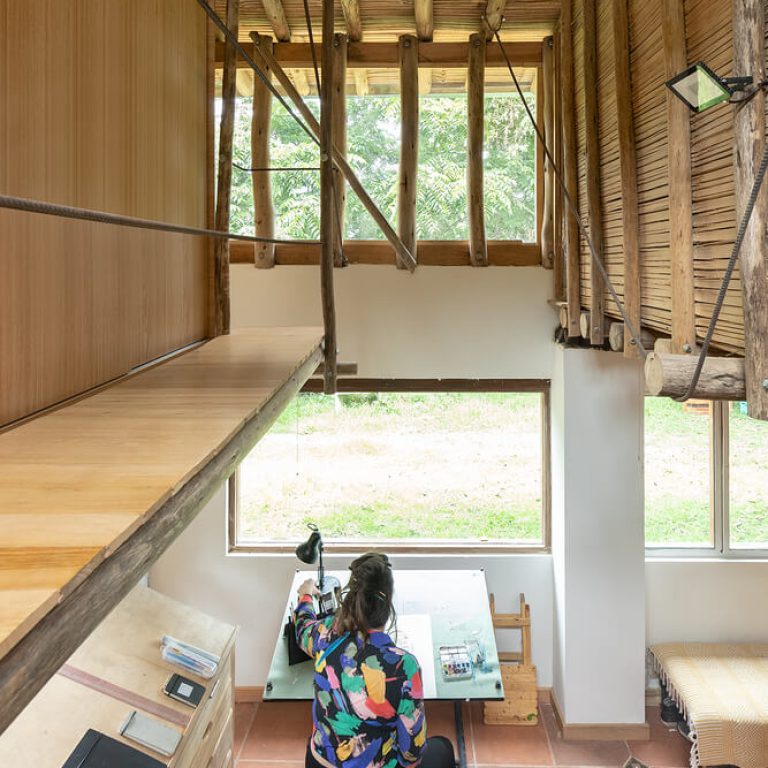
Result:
[[96, 750]]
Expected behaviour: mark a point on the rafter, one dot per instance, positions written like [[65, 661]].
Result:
[[276, 15], [351, 10], [425, 21], [300, 81]]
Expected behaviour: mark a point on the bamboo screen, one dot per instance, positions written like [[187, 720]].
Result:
[[709, 39]]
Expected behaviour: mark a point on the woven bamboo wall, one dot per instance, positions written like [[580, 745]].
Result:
[[709, 39]]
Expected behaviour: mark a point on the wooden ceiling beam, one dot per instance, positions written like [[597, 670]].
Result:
[[425, 19], [386, 55], [351, 10], [276, 15]]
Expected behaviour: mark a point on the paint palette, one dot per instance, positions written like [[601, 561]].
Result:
[[455, 662]]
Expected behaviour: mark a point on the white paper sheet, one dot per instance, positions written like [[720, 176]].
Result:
[[414, 634]]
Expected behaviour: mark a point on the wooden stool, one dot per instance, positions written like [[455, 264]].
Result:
[[521, 700]]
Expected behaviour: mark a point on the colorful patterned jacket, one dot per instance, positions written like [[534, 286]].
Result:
[[368, 708]]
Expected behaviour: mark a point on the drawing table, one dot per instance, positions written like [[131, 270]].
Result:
[[434, 609]]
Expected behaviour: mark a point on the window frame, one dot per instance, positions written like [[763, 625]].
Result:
[[719, 505], [433, 546]]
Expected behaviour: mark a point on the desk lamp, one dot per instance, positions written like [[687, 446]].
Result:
[[310, 552]]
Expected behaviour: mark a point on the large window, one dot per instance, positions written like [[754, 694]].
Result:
[[706, 479], [373, 138], [434, 470]]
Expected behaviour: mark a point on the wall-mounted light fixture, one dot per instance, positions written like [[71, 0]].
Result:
[[700, 88]]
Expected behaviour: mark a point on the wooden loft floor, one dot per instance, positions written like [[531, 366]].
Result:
[[92, 494]]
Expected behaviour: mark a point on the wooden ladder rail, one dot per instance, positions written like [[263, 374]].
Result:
[[521, 621]]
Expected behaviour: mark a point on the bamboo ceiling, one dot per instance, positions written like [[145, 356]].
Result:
[[386, 20]]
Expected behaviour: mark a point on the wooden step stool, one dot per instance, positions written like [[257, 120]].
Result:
[[521, 700]]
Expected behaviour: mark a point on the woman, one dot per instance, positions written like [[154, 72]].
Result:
[[368, 708]]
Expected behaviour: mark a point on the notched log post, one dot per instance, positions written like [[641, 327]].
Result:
[[339, 139], [327, 213], [570, 168], [749, 131], [221, 311], [478, 246], [680, 209], [547, 217], [263, 209], [409, 144]]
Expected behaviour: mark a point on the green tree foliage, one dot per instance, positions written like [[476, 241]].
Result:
[[373, 151]]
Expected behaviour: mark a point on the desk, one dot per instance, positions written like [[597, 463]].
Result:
[[435, 608]]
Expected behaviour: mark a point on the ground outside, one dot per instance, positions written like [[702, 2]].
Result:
[[275, 735]]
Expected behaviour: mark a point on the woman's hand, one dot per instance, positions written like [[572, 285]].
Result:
[[308, 588]]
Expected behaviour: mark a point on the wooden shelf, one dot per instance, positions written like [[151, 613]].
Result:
[[119, 668], [92, 494]]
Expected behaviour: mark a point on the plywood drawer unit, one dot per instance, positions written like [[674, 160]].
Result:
[[119, 668]]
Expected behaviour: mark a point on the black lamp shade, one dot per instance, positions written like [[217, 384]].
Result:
[[309, 551]]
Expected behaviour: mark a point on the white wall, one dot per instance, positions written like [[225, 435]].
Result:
[[598, 547], [706, 600], [438, 322]]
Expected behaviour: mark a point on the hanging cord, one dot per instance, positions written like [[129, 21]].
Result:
[[227, 32], [635, 336], [85, 214], [334, 176], [728, 274], [273, 170]]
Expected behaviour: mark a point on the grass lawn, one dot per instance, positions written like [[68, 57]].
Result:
[[468, 466], [404, 466]]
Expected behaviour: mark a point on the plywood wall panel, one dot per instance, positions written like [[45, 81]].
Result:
[[103, 106]]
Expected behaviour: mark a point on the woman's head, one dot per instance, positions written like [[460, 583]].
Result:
[[367, 603]]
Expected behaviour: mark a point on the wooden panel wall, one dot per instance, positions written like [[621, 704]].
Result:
[[102, 105], [709, 39]]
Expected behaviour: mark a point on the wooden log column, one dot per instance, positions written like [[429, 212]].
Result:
[[680, 203], [263, 209], [221, 310], [547, 214], [749, 132], [722, 378], [594, 204], [282, 78], [570, 168], [559, 211], [409, 143], [478, 246], [351, 11], [327, 213], [339, 140]]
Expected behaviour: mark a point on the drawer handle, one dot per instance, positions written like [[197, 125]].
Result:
[[207, 730], [215, 688]]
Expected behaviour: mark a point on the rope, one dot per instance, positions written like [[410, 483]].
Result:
[[728, 274], [571, 205], [85, 214], [308, 18], [227, 32], [273, 170]]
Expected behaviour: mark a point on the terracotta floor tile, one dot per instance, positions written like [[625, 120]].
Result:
[[665, 749], [519, 745], [280, 732], [441, 721], [583, 753], [244, 714]]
